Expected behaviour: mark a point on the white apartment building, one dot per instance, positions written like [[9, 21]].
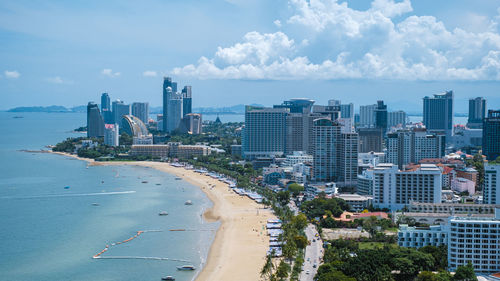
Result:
[[491, 192], [296, 158], [367, 115], [111, 136], [417, 237], [393, 188], [475, 240]]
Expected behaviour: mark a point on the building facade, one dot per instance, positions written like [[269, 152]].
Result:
[[491, 135], [141, 111], [370, 139], [95, 122], [119, 110], [477, 112], [438, 113], [491, 191], [265, 132], [111, 136], [417, 237], [396, 119], [367, 116]]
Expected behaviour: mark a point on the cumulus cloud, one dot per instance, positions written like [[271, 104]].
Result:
[[149, 73], [109, 72], [11, 74], [339, 42], [277, 23]]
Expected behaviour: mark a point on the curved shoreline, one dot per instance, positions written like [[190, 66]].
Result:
[[239, 248]]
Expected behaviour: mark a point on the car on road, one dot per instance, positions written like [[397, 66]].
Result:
[[308, 259], [315, 265], [307, 272]]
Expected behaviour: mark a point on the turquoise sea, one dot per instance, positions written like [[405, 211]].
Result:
[[55, 213]]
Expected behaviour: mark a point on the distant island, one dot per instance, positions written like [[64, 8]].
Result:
[[235, 109], [52, 108]]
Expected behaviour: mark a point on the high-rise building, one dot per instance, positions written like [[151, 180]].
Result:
[[167, 83], [326, 139], [404, 147], [491, 135], [367, 116], [477, 112], [264, 134], [111, 136], [396, 118], [95, 122], [347, 111], [438, 113], [141, 111], [370, 139], [174, 110], [191, 124], [329, 111], [119, 110], [381, 115], [491, 192], [334, 102], [187, 101], [297, 105], [106, 108], [393, 188], [348, 150]]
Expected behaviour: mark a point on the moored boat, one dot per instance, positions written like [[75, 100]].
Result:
[[186, 267]]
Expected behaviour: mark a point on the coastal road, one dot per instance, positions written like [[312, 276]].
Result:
[[314, 253]]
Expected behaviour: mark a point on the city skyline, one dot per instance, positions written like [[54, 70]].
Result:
[[132, 66]]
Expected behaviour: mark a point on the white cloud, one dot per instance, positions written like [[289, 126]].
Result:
[[277, 23], [149, 73], [12, 74], [58, 80], [109, 72], [339, 42]]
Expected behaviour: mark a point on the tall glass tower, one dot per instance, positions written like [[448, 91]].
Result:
[[438, 113]]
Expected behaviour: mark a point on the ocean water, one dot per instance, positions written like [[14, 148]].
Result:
[[50, 232]]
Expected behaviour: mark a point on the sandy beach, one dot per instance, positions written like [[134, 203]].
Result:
[[240, 245]]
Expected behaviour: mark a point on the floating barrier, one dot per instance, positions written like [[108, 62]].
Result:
[[68, 195], [98, 255], [141, 258]]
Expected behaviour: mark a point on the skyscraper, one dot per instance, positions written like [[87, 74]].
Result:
[[120, 109], [404, 147], [326, 139], [95, 122], [347, 111], [370, 139], [141, 111], [438, 113], [348, 150], [381, 116], [477, 112], [367, 116], [491, 135], [167, 83], [396, 118], [174, 110], [491, 193], [265, 132], [187, 101], [106, 108], [191, 124]]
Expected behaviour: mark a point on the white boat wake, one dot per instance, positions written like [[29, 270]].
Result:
[[68, 195]]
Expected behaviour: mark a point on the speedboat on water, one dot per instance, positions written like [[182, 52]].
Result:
[[189, 202], [186, 267], [162, 213], [168, 278]]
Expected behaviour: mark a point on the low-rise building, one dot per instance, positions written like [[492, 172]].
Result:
[[357, 202], [170, 150], [417, 237], [463, 185], [452, 208]]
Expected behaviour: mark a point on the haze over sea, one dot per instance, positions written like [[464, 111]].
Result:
[[51, 233]]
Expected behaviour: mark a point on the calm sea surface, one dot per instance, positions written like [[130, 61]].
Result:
[[55, 213]]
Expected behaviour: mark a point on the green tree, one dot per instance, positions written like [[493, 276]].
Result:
[[426, 276], [301, 241], [283, 270], [295, 189], [335, 276], [267, 269], [283, 197], [465, 273], [299, 221]]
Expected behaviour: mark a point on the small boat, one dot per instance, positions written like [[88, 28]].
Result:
[[95, 204], [158, 184], [186, 267], [168, 278], [144, 181], [178, 178], [189, 202], [162, 213], [66, 187], [17, 117]]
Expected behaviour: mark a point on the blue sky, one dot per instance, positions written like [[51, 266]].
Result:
[[261, 51]]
